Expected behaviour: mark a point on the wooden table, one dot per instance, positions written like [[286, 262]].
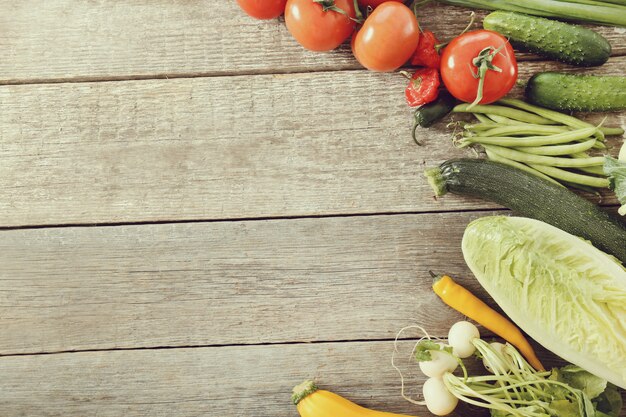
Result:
[[197, 214]]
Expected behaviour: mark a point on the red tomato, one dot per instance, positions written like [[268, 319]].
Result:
[[375, 3], [458, 69], [388, 37], [316, 29], [263, 9]]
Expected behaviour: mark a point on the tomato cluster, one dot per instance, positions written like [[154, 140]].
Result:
[[384, 42], [477, 66]]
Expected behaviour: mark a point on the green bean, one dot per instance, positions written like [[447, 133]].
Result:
[[529, 158], [504, 120], [598, 144], [559, 138], [581, 187], [596, 170], [497, 158], [525, 129], [509, 112], [568, 176], [581, 154], [482, 118], [558, 149], [612, 131], [481, 126], [549, 114]]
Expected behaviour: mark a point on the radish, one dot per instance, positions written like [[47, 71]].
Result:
[[460, 338], [439, 400], [496, 361], [440, 363]]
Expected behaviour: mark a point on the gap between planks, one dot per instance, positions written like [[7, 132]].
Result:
[[230, 345], [218, 74], [252, 219]]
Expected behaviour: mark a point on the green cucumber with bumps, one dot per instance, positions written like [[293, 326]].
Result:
[[550, 38], [572, 92]]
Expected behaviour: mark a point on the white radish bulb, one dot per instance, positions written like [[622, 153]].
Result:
[[440, 363], [502, 366], [460, 338], [438, 399]]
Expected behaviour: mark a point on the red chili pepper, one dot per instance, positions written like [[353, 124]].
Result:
[[423, 87], [426, 55]]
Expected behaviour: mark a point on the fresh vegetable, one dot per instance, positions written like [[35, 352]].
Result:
[[517, 390], [563, 292], [514, 389], [263, 9], [499, 366], [388, 37], [616, 171], [436, 358], [439, 400], [572, 92], [533, 197], [468, 304], [506, 112], [314, 402], [460, 338], [538, 148], [550, 38], [594, 11], [374, 3], [431, 113], [320, 25], [423, 87], [426, 53], [479, 67]]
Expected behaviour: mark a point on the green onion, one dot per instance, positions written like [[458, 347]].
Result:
[[601, 12]]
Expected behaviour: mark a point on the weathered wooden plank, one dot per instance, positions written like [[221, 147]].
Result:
[[229, 381], [222, 147], [69, 40], [226, 282]]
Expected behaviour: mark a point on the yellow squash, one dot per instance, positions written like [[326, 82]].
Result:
[[314, 402]]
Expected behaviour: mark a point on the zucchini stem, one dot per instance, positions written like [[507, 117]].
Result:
[[436, 181]]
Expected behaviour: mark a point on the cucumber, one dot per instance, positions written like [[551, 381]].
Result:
[[549, 38], [431, 113], [571, 92], [532, 197]]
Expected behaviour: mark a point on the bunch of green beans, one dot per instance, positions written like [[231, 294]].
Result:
[[546, 143]]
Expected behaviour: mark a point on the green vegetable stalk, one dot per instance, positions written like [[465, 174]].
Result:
[[604, 13]]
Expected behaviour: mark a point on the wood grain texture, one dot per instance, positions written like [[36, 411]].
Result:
[[228, 381], [220, 148], [60, 40], [227, 282]]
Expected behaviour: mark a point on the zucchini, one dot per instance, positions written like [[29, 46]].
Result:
[[533, 197], [571, 92], [431, 113], [550, 38]]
